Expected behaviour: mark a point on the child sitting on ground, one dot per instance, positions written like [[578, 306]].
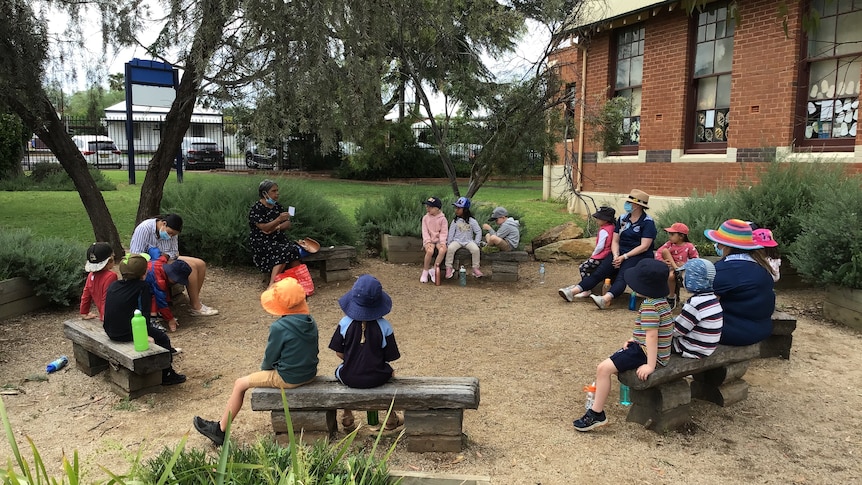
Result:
[[435, 231], [464, 232], [697, 329], [365, 342], [605, 217], [763, 237], [100, 266], [289, 360], [675, 252], [650, 342], [130, 294]]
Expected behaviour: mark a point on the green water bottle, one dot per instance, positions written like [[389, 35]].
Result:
[[373, 420], [139, 332]]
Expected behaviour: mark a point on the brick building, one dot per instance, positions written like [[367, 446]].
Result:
[[712, 94]]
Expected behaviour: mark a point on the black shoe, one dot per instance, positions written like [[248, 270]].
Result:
[[210, 429], [590, 420], [672, 303], [170, 377]]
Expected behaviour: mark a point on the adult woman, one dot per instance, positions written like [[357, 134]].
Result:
[[267, 219], [161, 232], [743, 283], [632, 242]]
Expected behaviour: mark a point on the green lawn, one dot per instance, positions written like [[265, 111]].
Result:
[[61, 214]]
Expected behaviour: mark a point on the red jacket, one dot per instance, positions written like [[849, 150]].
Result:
[[160, 287]]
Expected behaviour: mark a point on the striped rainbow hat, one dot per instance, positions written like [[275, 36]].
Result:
[[735, 233]]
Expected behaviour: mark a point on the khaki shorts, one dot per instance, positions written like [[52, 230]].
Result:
[[270, 378]]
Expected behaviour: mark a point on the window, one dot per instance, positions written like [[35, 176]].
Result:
[[136, 129], [834, 71], [197, 129], [627, 85], [571, 101], [713, 59]]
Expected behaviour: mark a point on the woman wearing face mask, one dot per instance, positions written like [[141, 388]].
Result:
[[743, 283], [633, 239], [272, 251], [160, 234]]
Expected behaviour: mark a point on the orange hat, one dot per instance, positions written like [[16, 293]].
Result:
[[285, 297]]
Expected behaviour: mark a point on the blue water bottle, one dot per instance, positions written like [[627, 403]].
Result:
[[625, 400], [633, 301], [57, 364]]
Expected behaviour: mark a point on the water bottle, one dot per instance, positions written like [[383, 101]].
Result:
[[139, 332], [542, 274], [606, 287], [625, 400], [633, 301], [373, 419], [57, 364], [462, 276], [591, 395]]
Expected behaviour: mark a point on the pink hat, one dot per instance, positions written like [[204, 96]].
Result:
[[677, 227], [764, 238]]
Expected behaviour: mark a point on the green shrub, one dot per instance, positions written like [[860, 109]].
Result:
[[828, 248], [12, 138], [698, 213], [215, 217], [52, 177], [54, 267], [42, 170]]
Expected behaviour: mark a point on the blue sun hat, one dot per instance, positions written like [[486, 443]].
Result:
[[366, 301], [699, 275]]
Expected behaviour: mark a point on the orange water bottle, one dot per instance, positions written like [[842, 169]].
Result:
[[607, 286], [591, 395]]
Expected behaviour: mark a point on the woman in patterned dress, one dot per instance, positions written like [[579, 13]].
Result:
[[271, 250]]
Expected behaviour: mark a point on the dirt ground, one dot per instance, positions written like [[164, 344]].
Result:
[[532, 353]]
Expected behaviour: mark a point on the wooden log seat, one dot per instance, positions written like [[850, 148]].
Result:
[[131, 373], [433, 408], [333, 262], [503, 264]]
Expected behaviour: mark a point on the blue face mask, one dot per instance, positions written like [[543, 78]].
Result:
[[270, 201], [718, 250], [163, 235], [627, 207]]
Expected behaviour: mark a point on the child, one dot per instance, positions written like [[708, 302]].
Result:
[[508, 236], [650, 342], [605, 217], [763, 237], [130, 294], [675, 252], [100, 265], [697, 329], [464, 232], [365, 342], [161, 276], [435, 231], [289, 361]]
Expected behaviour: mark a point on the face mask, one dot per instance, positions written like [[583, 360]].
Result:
[[627, 207], [163, 235], [718, 250], [270, 201]]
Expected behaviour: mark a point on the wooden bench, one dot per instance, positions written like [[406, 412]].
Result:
[[662, 401], [503, 264], [131, 373], [433, 408], [333, 262]]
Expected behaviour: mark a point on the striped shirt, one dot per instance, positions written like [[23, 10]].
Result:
[[655, 314], [697, 329], [146, 236]]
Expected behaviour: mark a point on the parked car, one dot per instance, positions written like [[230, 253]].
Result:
[[98, 150], [262, 157], [201, 153]]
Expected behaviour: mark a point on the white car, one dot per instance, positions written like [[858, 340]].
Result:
[[98, 150]]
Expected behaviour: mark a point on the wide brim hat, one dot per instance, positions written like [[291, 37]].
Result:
[[366, 301], [648, 278], [677, 227], [178, 272], [284, 297], [763, 237], [638, 197], [734, 233], [605, 214], [309, 245], [98, 255]]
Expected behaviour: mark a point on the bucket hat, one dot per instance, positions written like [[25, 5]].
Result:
[[699, 275], [605, 213], [677, 227], [366, 301], [639, 197], [648, 278], [285, 297], [734, 233], [98, 255], [763, 237], [309, 245], [178, 272]]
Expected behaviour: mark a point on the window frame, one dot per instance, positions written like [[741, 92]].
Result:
[[631, 148]]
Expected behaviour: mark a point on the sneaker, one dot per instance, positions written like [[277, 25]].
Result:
[[590, 420], [477, 273], [205, 311], [176, 350], [599, 301], [584, 294], [566, 294], [450, 272], [158, 323], [672, 302], [424, 277], [431, 275], [210, 429], [171, 378], [482, 244]]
